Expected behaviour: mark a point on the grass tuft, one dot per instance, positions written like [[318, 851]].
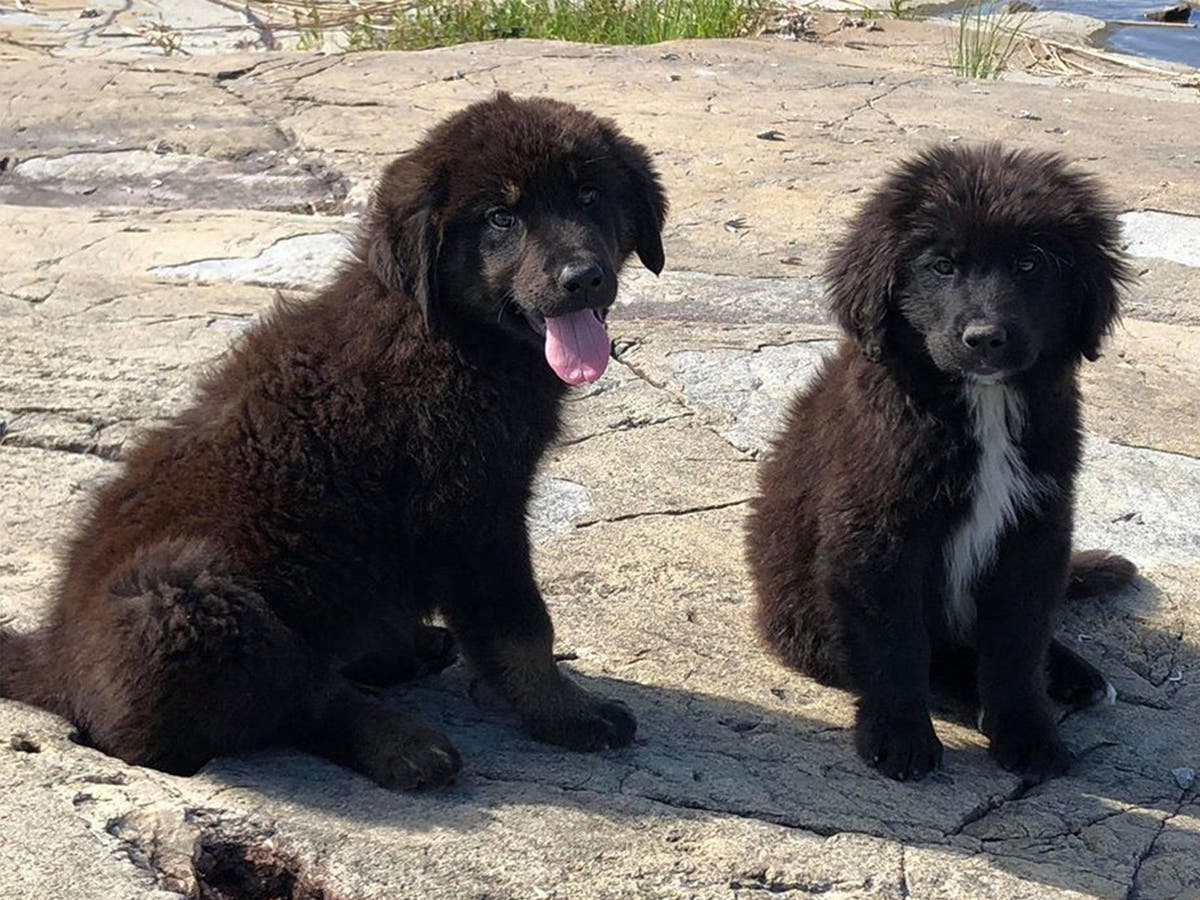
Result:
[[987, 38]]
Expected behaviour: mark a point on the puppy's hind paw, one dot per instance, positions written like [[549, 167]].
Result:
[[431, 649], [592, 724], [436, 651], [1074, 682]]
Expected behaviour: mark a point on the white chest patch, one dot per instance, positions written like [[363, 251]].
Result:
[[1001, 489]]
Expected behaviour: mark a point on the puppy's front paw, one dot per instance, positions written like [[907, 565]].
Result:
[[1024, 739], [1034, 752], [590, 723], [901, 747], [405, 755]]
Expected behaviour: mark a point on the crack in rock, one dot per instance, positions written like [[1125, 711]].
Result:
[[722, 298], [1134, 889], [993, 804], [302, 262], [555, 505], [109, 452], [869, 103], [749, 386], [630, 423], [664, 512], [143, 178]]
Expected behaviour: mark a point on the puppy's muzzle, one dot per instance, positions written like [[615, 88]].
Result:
[[584, 284], [581, 276], [985, 339]]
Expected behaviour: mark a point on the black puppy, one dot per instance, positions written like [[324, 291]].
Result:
[[357, 463], [914, 518]]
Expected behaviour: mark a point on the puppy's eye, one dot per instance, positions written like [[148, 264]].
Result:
[[501, 218], [588, 195], [1027, 264], [943, 266]]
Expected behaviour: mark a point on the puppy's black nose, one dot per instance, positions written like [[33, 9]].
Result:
[[580, 276], [984, 337]]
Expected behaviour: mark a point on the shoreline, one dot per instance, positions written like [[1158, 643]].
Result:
[[1063, 27]]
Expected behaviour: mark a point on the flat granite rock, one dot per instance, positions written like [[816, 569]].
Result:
[[152, 208]]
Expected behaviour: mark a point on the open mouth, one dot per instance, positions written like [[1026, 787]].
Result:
[[577, 345], [537, 321], [987, 374]]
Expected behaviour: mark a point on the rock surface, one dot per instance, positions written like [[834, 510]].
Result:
[[151, 207]]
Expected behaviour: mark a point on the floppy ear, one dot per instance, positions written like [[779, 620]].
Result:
[[1099, 270], [648, 201], [403, 241], [861, 275]]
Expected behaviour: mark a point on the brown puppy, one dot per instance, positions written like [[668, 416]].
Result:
[[357, 463], [914, 518]]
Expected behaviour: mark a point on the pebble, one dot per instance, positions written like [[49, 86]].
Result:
[[23, 743], [1185, 776]]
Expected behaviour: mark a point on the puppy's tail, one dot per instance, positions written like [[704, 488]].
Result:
[[21, 667], [1096, 572]]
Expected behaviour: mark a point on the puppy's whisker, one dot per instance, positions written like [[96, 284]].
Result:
[[507, 302], [1060, 264]]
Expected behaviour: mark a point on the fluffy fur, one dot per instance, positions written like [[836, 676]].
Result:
[[357, 463], [914, 518]]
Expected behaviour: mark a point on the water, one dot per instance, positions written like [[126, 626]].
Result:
[[1176, 44], [1180, 45]]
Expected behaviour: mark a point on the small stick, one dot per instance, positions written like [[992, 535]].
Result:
[[1137, 23], [1111, 58]]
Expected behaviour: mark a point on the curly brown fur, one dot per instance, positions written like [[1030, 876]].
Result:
[[914, 519], [356, 464]]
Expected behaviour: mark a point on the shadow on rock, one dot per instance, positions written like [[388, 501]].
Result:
[[1094, 830]]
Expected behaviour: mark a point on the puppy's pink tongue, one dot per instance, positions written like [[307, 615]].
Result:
[[577, 346]]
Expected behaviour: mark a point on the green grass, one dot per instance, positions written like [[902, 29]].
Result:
[[987, 38], [896, 9], [440, 23], [900, 9]]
